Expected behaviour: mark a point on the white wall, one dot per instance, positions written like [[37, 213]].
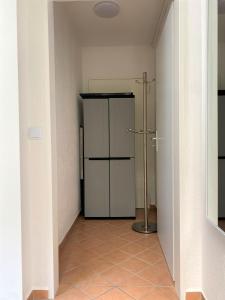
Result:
[[188, 172], [202, 244], [126, 62], [10, 198], [213, 254], [36, 155], [116, 62], [67, 82], [191, 208]]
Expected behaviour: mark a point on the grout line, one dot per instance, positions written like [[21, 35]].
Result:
[[118, 264], [135, 298], [132, 297], [92, 298], [110, 289], [115, 248]]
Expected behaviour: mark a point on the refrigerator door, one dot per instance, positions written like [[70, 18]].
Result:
[[122, 188], [96, 188], [221, 150], [96, 128], [121, 116]]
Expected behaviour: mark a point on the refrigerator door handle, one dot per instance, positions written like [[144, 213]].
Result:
[[98, 158], [119, 158], [109, 158]]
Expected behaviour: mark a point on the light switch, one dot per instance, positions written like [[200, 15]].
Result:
[[35, 133]]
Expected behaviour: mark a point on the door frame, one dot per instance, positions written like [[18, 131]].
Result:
[[176, 135], [50, 103]]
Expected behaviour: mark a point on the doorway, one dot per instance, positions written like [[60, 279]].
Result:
[[83, 59]]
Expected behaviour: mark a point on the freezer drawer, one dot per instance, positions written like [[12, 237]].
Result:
[[96, 128], [221, 190], [122, 188], [221, 152], [121, 116], [96, 174], [221, 125]]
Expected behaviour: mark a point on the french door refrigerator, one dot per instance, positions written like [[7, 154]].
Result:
[[109, 160]]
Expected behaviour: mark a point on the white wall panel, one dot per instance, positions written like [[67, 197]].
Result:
[[10, 192], [68, 84]]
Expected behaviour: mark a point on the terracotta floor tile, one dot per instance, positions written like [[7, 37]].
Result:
[[95, 280], [72, 294], [118, 242], [63, 288], [104, 249], [133, 249], [106, 260], [137, 292], [91, 243], [151, 256], [92, 252], [116, 275], [150, 242], [78, 237], [67, 267], [70, 253], [116, 257], [120, 223], [157, 247], [106, 233], [131, 236], [115, 294], [161, 294], [135, 280], [157, 274], [75, 276], [95, 291], [134, 265], [86, 268], [83, 254], [99, 265]]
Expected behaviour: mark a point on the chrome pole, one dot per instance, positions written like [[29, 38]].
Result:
[[145, 227], [145, 96]]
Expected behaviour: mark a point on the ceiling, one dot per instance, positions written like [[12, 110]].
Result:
[[137, 23]]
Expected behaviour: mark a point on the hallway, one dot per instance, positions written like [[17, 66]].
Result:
[[105, 259]]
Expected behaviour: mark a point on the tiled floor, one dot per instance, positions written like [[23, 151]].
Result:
[[106, 260]]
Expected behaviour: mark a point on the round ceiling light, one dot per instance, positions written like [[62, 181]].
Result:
[[107, 9]]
